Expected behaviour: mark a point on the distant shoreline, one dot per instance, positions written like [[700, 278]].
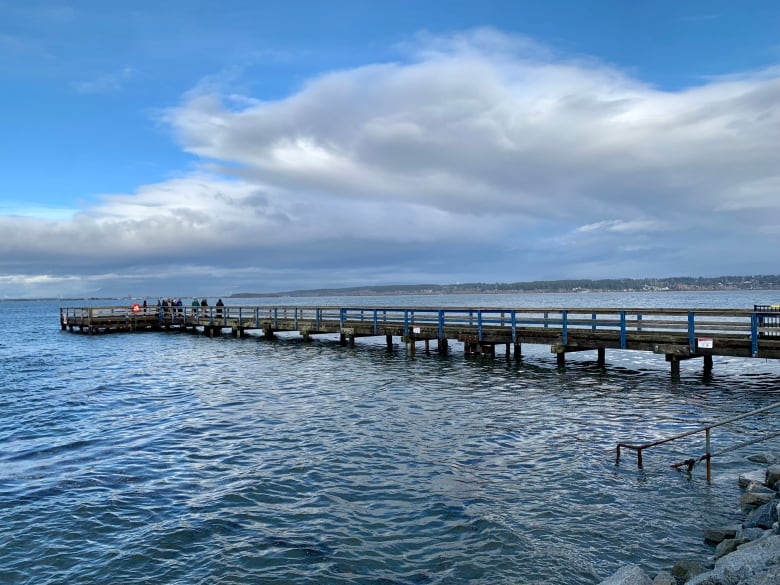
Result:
[[672, 284], [578, 286]]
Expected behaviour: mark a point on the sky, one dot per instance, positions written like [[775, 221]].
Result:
[[198, 147]]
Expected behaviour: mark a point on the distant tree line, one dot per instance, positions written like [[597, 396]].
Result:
[[676, 283]]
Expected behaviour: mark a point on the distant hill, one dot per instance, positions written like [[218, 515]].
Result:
[[677, 283]]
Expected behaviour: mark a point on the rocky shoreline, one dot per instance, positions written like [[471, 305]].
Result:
[[745, 554]]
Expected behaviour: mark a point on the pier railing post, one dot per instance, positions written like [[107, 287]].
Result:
[[623, 330], [691, 332], [564, 327], [754, 334]]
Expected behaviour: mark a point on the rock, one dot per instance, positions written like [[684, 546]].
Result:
[[628, 575], [770, 577], [716, 535], [772, 475], [758, 476], [664, 578], [755, 499], [763, 516], [726, 547], [750, 534], [744, 564], [685, 569], [763, 458], [760, 488]]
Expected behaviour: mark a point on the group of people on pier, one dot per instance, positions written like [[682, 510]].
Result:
[[170, 307]]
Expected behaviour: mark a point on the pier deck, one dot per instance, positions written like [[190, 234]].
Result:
[[678, 334]]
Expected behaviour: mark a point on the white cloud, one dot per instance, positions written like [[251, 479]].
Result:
[[466, 126]]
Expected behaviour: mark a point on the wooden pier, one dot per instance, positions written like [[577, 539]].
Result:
[[677, 334]]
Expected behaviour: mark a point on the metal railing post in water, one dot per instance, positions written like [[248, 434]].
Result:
[[708, 454]]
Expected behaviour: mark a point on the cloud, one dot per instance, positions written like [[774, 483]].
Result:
[[480, 156], [109, 83], [544, 139]]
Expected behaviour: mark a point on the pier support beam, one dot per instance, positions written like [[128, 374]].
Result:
[[601, 354], [560, 358], [518, 351], [411, 344], [444, 347], [427, 346], [389, 342], [674, 364], [707, 364], [268, 333]]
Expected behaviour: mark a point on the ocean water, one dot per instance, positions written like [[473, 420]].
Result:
[[175, 458]]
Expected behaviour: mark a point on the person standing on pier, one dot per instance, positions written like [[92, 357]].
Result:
[[219, 305], [195, 305]]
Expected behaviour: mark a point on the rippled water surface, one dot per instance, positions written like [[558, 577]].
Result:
[[174, 458]]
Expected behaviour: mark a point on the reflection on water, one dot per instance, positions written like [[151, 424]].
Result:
[[172, 458]]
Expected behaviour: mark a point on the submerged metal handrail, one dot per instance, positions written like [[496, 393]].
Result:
[[706, 429]]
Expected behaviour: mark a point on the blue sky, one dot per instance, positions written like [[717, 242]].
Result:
[[179, 148]]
